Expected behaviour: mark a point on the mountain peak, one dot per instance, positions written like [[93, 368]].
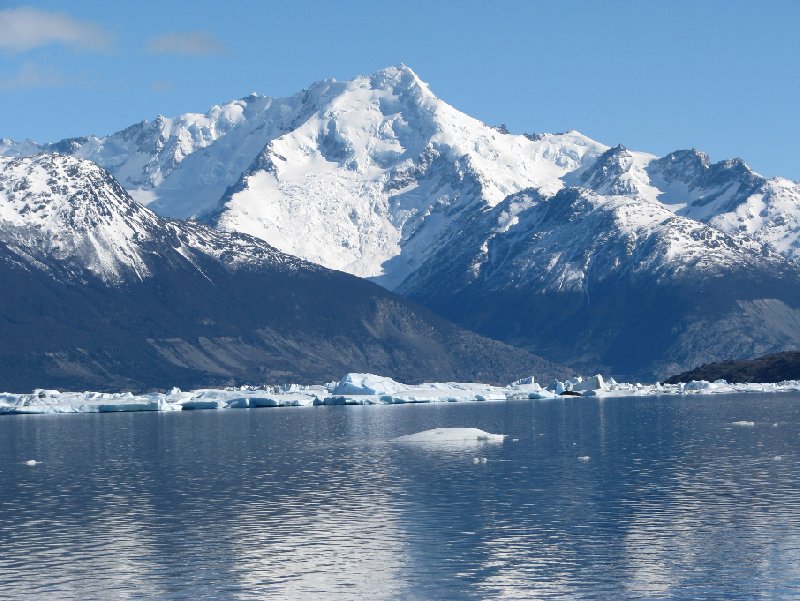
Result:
[[52, 181], [737, 165], [71, 209], [397, 78], [610, 173], [686, 166], [400, 70], [689, 155]]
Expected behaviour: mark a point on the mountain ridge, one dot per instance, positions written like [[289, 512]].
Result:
[[378, 177], [233, 125], [194, 306], [777, 367]]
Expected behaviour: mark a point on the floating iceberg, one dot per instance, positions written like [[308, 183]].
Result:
[[578, 385], [695, 387], [360, 384], [450, 435], [702, 385], [54, 401], [360, 389], [369, 389]]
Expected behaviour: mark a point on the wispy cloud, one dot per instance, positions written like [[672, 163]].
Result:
[[28, 76], [162, 86], [26, 28], [190, 43]]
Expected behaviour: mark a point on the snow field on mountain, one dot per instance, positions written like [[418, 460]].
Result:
[[375, 175], [380, 170]]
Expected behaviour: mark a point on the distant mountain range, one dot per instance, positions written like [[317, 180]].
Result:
[[597, 257], [100, 292]]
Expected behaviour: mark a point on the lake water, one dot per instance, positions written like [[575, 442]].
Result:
[[317, 503]]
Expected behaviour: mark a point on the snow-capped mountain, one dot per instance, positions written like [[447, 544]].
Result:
[[59, 211], [362, 175], [355, 172], [613, 283], [71, 218], [98, 290], [181, 166], [380, 178], [373, 179], [727, 195]]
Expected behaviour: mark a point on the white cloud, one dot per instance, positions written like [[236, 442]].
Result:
[[191, 43], [29, 75], [26, 28]]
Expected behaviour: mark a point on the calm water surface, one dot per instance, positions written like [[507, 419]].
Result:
[[317, 503]]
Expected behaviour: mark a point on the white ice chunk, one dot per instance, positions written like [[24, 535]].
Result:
[[363, 389], [591, 383], [699, 385], [355, 383], [452, 435]]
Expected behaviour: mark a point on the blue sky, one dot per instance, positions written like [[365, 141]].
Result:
[[722, 76]]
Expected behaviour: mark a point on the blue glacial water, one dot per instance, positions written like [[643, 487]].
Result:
[[317, 503]]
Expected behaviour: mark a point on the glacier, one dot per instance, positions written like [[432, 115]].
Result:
[[366, 389]]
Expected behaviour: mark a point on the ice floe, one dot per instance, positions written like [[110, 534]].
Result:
[[695, 387], [369, 389], [362, 389], [54, 401], [450, 435]]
